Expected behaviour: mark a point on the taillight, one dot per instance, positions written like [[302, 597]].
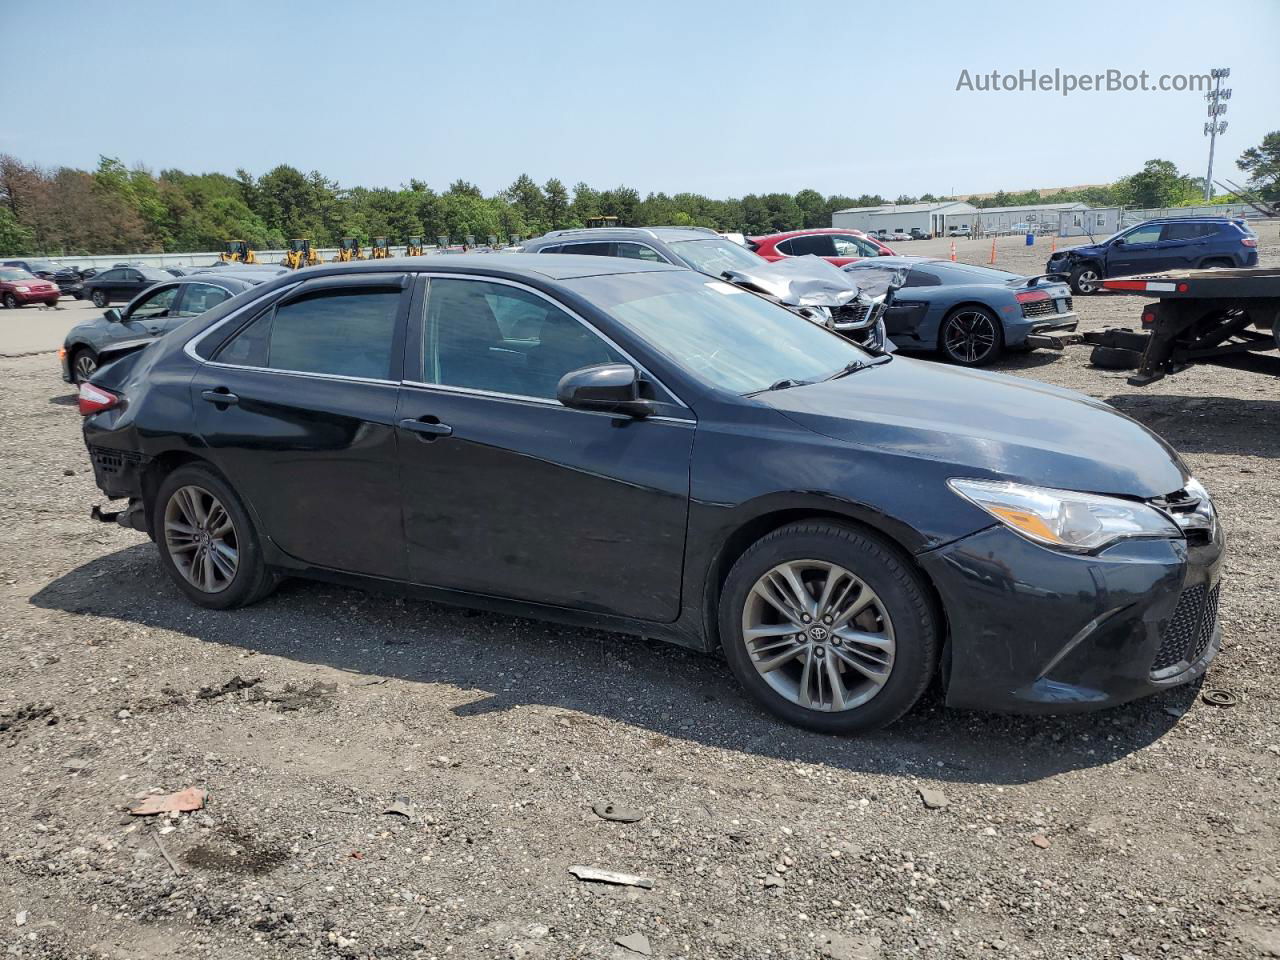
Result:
[[1149, 318], [1030, 296], [94, 399], [1249, 241]]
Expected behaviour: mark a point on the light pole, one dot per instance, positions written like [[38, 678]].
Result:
[[1215, 126]]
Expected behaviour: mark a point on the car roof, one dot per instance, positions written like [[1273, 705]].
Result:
[[807, 232], [1206, 219], [558, 267], [674, 234], [897, 261]]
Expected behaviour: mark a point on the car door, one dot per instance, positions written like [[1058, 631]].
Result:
[[298, 410], [1135, 252], [509, 493], [1182, 245], [148, 315], [850, 248]]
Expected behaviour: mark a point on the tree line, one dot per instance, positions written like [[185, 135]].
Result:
[[116, 209]]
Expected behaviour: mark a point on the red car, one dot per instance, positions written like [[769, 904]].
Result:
[[833, 244], [18, 288]]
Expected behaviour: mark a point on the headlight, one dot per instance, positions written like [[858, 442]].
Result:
[[1080, 522], [22, 289]]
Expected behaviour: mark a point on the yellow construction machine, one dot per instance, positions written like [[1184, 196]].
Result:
[[237, 252], [381, 250], [299, 255], [413, 246], [348, 250]]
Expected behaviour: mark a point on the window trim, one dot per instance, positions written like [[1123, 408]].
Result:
[[416, 337]]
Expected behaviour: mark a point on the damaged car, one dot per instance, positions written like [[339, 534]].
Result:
[[828, 298], [636, 447]]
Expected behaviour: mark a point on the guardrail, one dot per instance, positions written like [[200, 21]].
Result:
[[197, 259]]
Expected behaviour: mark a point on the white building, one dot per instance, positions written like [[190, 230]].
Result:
[[1098, 222], [1026, 218], [928, 218]]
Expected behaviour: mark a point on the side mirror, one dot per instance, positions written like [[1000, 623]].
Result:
[[113, 316], [1118, 242], [884, 253], [610, 387]]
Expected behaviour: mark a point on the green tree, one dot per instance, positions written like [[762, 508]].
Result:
[[1262, 165], [1157, 184], [530, 207], [15, 239], [813, 209], [557, 204]]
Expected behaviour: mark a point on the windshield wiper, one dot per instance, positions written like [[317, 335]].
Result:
[[783, 384], [850, 367]]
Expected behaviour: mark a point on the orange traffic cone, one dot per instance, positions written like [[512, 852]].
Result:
[[953, 251], [1053, 244], [993, 251]]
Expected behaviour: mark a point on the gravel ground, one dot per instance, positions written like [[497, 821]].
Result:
[[1148, 831]]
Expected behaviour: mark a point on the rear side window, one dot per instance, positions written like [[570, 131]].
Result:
[[347, 333], [919, 278], [200, 297], [1188, 231], [819, 245], [594, 249], [637, 251]]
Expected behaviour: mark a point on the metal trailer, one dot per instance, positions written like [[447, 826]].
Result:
[[1200, 316]]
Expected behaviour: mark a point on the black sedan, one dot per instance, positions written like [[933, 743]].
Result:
[[121, 283], [639, 447], [968, 314]]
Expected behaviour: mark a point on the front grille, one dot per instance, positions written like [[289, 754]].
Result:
[[1186, 635], [852, 315], [1070, 303], [1039, 308]]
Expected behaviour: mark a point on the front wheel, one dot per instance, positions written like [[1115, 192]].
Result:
[[207, 541], [10, 301], [1085, 280], [828, 628], [99, 299], [84, 364], [971, 336]]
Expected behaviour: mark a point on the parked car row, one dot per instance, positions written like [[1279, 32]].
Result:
[[627, 443], [20, 287]]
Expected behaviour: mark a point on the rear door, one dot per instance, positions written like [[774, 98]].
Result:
[[509, 493], [1183, 245], [298, 410]]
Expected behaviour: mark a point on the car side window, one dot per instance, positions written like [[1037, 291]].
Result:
[[1149, 234], [854, 247], [132, 275], [110, 276], [818, 244], [154, 305], [1186, 231], [593, 249], [918, 278], [348, 332], [637, 251], [200, 297], [499, 338]]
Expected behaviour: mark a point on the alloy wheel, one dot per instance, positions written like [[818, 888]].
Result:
[[86, 366], [970, 336], [818, 635], [201, 539], [1087, 281], [99, 299]]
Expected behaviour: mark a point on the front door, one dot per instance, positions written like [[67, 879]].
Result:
[[298, 411], [509, 493], [1139, 253], [150, 315]]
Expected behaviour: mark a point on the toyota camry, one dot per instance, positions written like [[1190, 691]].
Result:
[[641, 448]]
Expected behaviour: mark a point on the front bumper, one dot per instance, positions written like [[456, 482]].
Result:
[[36, 296], [1034, 630]]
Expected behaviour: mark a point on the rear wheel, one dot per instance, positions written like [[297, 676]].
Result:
[[207, 541], [828, 628], [971, 336], [1216, 264], [99, 299], [10, 301], [84, 364], [1085, 279]]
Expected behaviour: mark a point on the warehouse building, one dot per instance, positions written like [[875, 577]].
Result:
[[928, 218], [1026, 218]]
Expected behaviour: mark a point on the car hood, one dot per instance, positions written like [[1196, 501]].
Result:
[[799, 282], [988, 426], [1087, 250]]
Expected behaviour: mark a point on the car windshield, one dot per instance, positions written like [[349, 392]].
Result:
[[44, 266], [715, 255], [149, 273], [12, 274], [725, 336]]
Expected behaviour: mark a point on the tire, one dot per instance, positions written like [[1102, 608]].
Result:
[[971, 336], [1115, 358], [99, 299], [249, 581], [11, 302], [1216, 264], [897, 618], [1085, 280], [84, 364]]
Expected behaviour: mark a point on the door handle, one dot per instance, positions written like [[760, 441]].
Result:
[[220, 397], [428, 428]]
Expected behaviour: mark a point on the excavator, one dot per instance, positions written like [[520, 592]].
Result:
[[299, 255], [413, 247], [348, 250], [380, 250], [237, 252]]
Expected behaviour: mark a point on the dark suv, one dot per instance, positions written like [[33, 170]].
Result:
[[1171, 243]]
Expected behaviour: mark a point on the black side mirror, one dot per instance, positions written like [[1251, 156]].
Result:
[[1118, 242], [610, 387], [113, 316]]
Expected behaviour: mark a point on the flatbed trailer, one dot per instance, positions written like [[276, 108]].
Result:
[[1199, 316]]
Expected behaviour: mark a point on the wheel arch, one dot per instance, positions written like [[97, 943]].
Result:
[[159, 468], [891, 533]]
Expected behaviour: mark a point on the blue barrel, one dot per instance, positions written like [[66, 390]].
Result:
[[1031, 239]]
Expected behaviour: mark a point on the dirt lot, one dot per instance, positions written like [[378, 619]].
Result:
[[1148, 831]]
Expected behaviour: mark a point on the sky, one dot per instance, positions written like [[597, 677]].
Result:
[[712, 97]]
